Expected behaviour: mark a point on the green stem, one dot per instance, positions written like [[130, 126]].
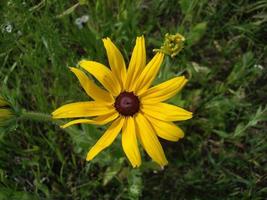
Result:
[[35, 116], [42, 117]]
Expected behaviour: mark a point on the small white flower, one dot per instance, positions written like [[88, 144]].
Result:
[[7, 28], [79, 23], [81, 20], [84, 18], [258, 66]]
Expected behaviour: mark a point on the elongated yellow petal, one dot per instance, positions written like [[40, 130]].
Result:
[[164, 90], [5, 113], [137, 63], [107, 138], [166, 112], [150, 141], [103, 75], [166, 130], [148, 74], [91, 88], [129, 142], [116, 61], [101, 120], [82, 109], [3, 102]]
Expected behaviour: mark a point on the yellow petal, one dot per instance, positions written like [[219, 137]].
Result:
[[129, 142], [107, 138], [166, 112], [166, 130], [82, 109], [101, 120], [103, 75], [150, 141], [116, 61], [149, 73], [91, 88], [3, 102], [5, 113], [164, 90], [137, 63]]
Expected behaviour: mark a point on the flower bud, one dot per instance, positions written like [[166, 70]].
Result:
[[172, 44], [6, 112]]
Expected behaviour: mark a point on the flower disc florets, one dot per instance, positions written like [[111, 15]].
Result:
[[127, 104]]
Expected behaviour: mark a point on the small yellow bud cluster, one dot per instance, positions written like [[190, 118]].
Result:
[[172, 44]]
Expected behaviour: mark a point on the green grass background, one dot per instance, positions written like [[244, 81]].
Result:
[[224, 152]]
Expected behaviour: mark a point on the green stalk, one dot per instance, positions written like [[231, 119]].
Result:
[[36, 116], [42, 117]]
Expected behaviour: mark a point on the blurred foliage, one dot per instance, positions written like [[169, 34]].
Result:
[[223, 155]]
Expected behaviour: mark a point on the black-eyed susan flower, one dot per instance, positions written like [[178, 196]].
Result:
[[127, 100]]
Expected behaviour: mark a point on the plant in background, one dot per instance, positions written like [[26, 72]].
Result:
[[128, 101]]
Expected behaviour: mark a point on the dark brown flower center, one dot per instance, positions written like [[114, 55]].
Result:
[[127, 104]]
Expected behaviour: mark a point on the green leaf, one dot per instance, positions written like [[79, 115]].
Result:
[[196, 33], [112, 171], [6, 194], [135, 184], [259, 116], [68, 11]]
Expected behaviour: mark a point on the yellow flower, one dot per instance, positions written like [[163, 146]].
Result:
[[129, 103]]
